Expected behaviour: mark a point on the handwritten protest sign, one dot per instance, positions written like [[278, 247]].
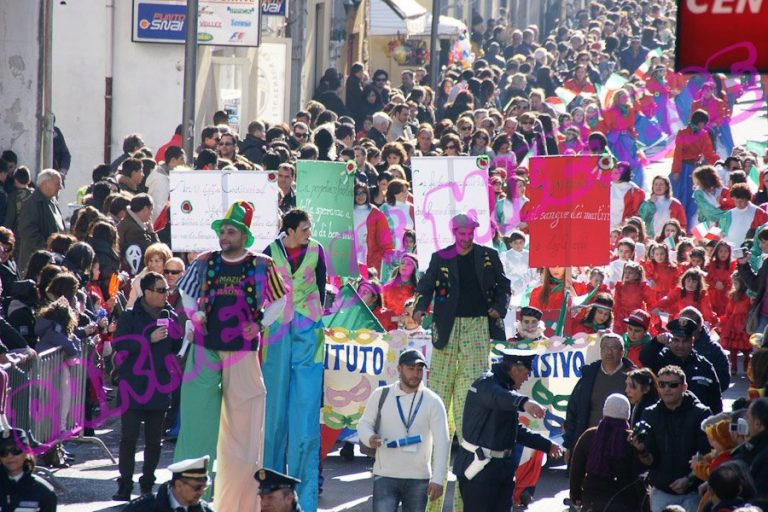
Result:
[[570, 214], [200, 197], [443, 187], [326, 190]]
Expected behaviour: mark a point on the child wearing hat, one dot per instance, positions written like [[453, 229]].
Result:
[[718, 430]]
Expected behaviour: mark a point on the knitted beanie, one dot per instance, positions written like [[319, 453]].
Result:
[[616, 406]]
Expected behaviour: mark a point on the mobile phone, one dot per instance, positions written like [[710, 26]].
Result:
[[738, 252]]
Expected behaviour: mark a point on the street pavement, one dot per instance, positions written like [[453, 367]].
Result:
[[91, 481]]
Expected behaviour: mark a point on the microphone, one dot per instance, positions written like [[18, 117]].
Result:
[[165, 319]]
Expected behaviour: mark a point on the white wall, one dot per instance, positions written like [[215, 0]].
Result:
[[19, 69], [147, 85]]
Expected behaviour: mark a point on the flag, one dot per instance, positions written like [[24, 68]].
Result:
[[642, 71], [566, 95], [563, 314], [670, 241], [699, 231], [714, 233], [557, 104], [351, 312], [605, 92], [754, 173]]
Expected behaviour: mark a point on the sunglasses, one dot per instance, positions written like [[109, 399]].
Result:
[[465, 128], [196, 488], [669, 384], [10, 451], [172, 272], [160, 290]]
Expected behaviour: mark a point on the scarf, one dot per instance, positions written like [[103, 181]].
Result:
[[608, 445], [624, 109], [629, 344]]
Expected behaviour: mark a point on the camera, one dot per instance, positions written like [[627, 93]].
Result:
[[641, 431], [738, 252], [739, 426]]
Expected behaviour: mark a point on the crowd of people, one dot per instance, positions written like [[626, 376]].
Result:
[[213, 350]]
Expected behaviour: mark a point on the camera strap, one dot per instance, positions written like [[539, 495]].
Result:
[[411, 411]]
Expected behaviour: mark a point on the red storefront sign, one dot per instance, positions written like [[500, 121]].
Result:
[[570, 213], [728, 36]]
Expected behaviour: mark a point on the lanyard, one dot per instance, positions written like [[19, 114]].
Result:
[[411, 412]]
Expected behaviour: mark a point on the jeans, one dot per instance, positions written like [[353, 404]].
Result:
[[661, 499], [153, 430], [388, 493], [763, 323]]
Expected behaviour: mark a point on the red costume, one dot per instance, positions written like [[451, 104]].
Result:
[[732, 333], [616, 121], [579, 87], [394, 296], [719, 274], [675, 302], [691, 146], [378, 238], [715, 107], [551, 310], [628, 297], [665, 277]]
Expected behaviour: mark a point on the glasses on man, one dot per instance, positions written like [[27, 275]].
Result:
[[163, 290], [170, 272], [465, 128], [14, 450], [299, 135], [672, 384], [222, 143], [195, 487]]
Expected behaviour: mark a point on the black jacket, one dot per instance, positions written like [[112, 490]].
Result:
[[160, 503], [442, 281], [713, 352], [675, 436], [699, 373], [149, 372], [31, 492], [579, 404], [756, 284], [754, 453], [252, 148], [491, 421], [36, 224], [377, 137]]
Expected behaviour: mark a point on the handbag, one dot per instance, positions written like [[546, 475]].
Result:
[[364, 448]]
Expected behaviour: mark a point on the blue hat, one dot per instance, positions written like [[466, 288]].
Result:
[[272, 481]]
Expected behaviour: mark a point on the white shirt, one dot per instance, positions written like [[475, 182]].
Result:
[[618, 191], [741, 221], [662, 213], [431, 422], [360, 217]]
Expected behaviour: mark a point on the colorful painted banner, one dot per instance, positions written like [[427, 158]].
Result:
[[556, 370], [200, 197], [443, 187], [326, 191], [570, 215]]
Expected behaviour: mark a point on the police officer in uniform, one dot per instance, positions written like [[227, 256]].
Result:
[[485, 465], [182, 494], [277, 491], [20, 488]]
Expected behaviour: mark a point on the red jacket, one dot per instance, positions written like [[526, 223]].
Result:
[[378, 239], [615, 121], [665, 277], [715, 107], [176, 140], [692, 146]]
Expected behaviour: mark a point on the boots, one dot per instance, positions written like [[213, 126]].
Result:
[[123, 491], [145, 485]]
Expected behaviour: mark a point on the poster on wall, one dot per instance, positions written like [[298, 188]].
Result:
[[443, 187], [220, 22], [200, 197], [274, 7]]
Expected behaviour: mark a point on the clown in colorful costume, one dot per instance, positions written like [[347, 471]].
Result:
[[229, 295], [292, 358]]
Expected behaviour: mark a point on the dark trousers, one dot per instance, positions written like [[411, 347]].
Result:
[[153, 431], [489, 495]]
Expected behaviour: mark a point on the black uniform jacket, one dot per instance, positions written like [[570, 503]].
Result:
[[161, 503]]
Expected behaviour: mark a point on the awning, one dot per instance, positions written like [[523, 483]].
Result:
[[409, 18]]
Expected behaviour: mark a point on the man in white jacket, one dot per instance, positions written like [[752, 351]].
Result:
[[413, 425], [158, 182]]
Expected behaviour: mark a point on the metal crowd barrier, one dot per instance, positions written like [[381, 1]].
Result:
[[47, 397]]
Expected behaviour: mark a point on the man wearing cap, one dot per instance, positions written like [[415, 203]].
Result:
[[675, 347], [471, 295], [673, 435], [636, 335], [228, 295], [485, 465], [708, 348], [189, 481], [292, 357], [598, 380], [413, 430], [277, 491], [20, 488]]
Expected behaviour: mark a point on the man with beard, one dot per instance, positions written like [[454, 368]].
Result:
[[471, 296]]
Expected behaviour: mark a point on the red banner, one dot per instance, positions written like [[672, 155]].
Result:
[[570, 211], [726, 36]]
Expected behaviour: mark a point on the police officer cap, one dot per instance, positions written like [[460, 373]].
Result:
[[15, 437], [518, 356], [411, 356], [531, 311], [193, 469], [681, 328], [272, 481]]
